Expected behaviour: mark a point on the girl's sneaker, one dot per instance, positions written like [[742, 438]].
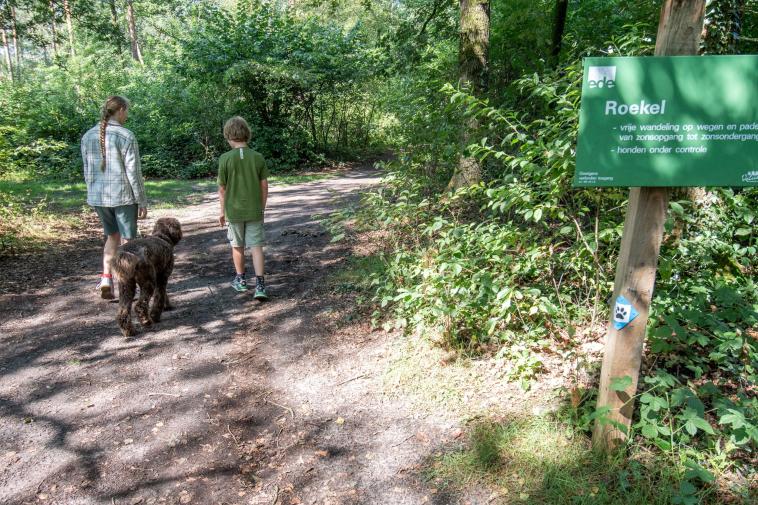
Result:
[[240, 284], [105, 286]]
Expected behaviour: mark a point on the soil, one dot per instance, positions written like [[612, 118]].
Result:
[[226, 400]]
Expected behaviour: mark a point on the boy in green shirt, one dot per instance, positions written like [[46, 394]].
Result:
[[243, 191]]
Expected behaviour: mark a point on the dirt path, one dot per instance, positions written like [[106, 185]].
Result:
[[226, 401]]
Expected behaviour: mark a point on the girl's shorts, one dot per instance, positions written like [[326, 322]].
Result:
[[122, 219]]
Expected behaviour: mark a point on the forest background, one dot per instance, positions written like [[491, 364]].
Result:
[[488, 249]]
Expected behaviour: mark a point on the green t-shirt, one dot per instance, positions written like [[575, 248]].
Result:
[[241, 171]]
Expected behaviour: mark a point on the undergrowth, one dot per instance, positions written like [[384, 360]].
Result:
[[525, 261]]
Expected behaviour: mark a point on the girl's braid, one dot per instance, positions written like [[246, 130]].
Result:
[[112, 105]]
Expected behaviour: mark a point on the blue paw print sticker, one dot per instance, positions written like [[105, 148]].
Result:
[[623, 313]]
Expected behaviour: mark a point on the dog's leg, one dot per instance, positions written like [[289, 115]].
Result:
[[170, 268], [147, 287], [125, 298], [161, 298]]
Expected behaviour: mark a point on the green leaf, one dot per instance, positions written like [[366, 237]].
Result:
[[698, 423], [741, 232], [621, 383], [649, 431], [686, 488], [735, 418], [695, 471], [676, 208]]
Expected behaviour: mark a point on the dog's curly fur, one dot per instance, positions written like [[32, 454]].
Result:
[[146, 262]]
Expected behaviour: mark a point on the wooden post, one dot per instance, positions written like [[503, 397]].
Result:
[[679, 33]]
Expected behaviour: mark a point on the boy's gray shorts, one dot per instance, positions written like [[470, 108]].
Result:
[[246, 234], [121, 219]]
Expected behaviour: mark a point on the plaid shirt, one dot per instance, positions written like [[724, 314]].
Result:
[[121, 183]]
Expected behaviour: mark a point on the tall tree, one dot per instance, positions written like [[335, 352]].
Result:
[[7, 49], [114, 21], [473, 68], [16, 45], [70, 24], [53, 27], [559, 26], [132, 23]]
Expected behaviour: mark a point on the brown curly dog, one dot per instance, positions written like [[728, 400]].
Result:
[[147, 263]]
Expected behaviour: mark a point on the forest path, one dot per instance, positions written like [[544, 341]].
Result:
[[226, 400]]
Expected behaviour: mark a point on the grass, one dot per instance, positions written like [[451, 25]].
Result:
[[355, 276], [162, 193], [34, 213], [72, 196], [537, 460]]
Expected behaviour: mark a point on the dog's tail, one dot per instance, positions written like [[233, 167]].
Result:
[[124, 265]]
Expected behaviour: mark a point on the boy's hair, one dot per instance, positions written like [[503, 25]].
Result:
[[236, 129]]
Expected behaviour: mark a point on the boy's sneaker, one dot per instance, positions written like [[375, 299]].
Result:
[[260, 293], [105, 286], [240, 284]]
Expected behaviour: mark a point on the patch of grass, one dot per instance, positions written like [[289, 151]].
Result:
[[355, 276], [34, 213], [57, 194], [538, 460], [162, 193], [352, 285], [171, 193], [71, 196]]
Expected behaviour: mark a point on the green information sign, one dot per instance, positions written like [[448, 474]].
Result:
[[669, 121]]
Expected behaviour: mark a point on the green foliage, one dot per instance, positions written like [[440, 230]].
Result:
[[526, 261], [539, 460], [298, 81], [303, 84]]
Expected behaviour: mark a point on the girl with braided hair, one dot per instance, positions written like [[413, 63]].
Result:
[[115, 188]]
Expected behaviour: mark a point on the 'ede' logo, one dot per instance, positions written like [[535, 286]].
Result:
[[601, 77]]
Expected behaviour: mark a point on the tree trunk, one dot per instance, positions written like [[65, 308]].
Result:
[[136, 53], [473, 50], [70, 24], [559, 25], [117, 34], [737, 16], [7, 53], [437, 4], [16, 45], [53, 27], [473, 54]]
